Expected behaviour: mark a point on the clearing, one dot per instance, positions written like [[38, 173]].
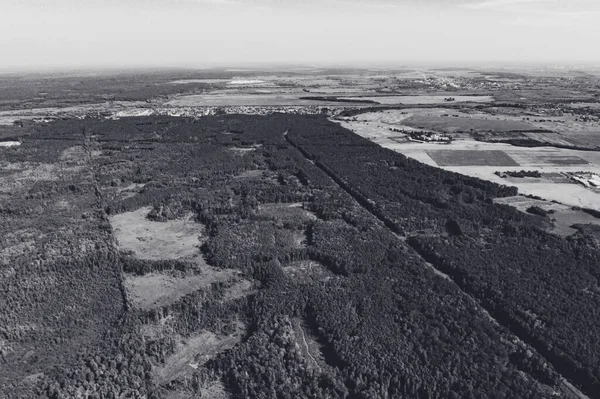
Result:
[[250, 174], [172, 239], [307, 270], [308, 346], [212, 389], [246, 82], [130, 191], [191, 353], [10, 143], [155, 290], [562, 216]]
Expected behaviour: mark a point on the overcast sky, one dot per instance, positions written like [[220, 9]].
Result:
[[198, 33]]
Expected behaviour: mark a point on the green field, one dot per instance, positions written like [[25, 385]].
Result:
[[471, 158], [452, 124]]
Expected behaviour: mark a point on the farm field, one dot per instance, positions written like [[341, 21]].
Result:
[[416, 99], [472, 157], [458, 124], [251, 99]]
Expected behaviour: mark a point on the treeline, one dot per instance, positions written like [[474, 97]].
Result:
[[339, 99], [520, 174]]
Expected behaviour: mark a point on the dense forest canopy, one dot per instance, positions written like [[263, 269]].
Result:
[[316, 269]]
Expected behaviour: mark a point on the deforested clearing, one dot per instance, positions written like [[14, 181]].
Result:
[[242, 150], [249, 174], [172, 239], [155, 290], [307, 270], [308, 345], [21, 176], [214, 390], [190, 353], [10, 143]]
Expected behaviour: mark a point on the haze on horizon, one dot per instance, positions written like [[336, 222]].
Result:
[[39, 34]]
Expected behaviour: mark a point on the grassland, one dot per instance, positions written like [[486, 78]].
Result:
[[192, 352], [158, 290], [458, 124], [563, 217], [471, 158], [151, 240], [306, 271], [423, 99], [248, 99]]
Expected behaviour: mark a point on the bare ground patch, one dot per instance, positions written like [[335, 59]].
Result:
[[307, 270], [250, 174], [191, 353], [158, 289], [212, 390], [172, 239], [238, 289], [19, 176], [131, 187], [243, 150], [75, 154], [309, 347]]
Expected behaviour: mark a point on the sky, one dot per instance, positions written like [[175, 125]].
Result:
[[39, 34]]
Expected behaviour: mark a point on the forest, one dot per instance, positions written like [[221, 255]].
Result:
[[542, 287], [319, 265]]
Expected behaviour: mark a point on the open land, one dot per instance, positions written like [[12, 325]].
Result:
[[479, 146], [302, 232]]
